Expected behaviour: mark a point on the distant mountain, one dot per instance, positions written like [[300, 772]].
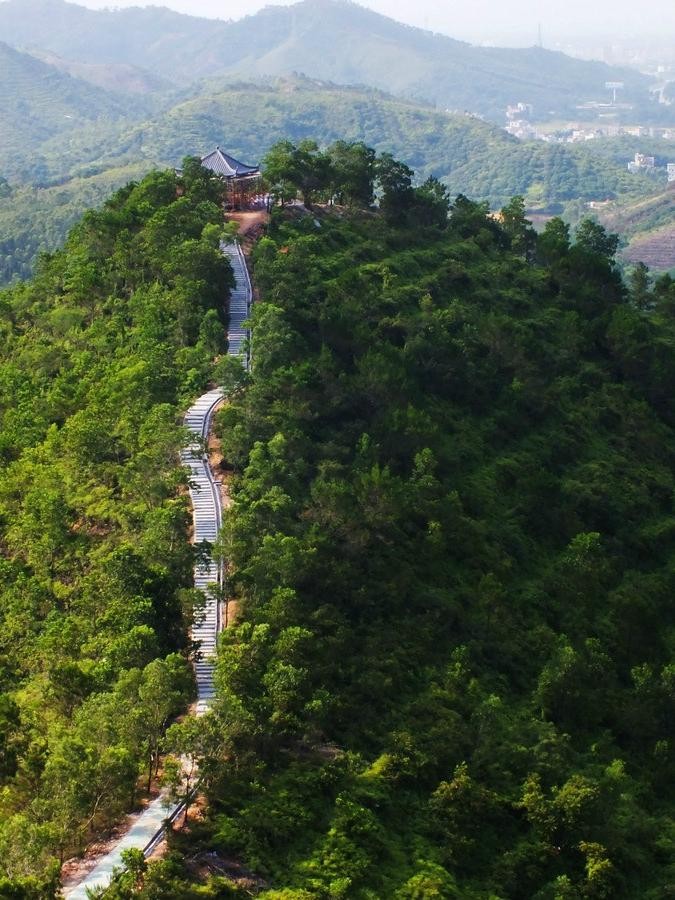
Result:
[[39, 102], [115, 77], [327, 39], [153, 38], [469, 155]]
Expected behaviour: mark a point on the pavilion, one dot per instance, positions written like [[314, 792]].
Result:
[[243, 183]]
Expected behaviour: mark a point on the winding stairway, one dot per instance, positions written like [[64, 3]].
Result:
[[148, 829]]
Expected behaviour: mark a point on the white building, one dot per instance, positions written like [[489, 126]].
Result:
[[519, 111], [641, 163]]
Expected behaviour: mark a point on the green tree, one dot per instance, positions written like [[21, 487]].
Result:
[[518, 229], [394, 179], [353, 173], [639, 286]]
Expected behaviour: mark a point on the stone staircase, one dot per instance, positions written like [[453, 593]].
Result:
[[206, 517], [148, 828], [240, 299], [204, 491]]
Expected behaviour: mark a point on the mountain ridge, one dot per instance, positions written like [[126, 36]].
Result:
[[114, 77], [329, 39]]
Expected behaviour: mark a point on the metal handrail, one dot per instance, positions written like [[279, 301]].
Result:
[[157, 838]]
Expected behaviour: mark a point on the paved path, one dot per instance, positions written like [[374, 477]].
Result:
[[240, 299], [207, 515]]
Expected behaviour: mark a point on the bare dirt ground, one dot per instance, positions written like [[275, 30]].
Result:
[[222, 474], [656, 249], [250, 222], [219, 466]]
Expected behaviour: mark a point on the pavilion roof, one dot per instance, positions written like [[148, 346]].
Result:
[[223, 164]]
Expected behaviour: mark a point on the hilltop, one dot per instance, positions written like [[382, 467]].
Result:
[[327, 39], [471, 156], [96, 97], [115, 77]]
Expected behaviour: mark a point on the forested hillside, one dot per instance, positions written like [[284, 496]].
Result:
[[105, 92], [451, 673], [37, 220], [100, 355], [327, 39], [471, 156], [451, 668]]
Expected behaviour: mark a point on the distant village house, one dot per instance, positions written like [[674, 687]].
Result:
[[641, 163]]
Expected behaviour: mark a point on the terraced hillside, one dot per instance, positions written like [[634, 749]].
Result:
[[656, 249], [39, 102], [116, 77], [648, 227]]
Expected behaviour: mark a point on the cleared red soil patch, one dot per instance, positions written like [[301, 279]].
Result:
[[657, 250]]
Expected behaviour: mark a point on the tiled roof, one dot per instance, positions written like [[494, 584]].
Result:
[[223, 164]]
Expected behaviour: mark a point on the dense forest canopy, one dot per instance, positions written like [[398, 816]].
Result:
[[101, 353], [451, 543], [451, 673]]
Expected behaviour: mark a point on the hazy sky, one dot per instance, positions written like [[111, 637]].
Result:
[[512, 20]]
